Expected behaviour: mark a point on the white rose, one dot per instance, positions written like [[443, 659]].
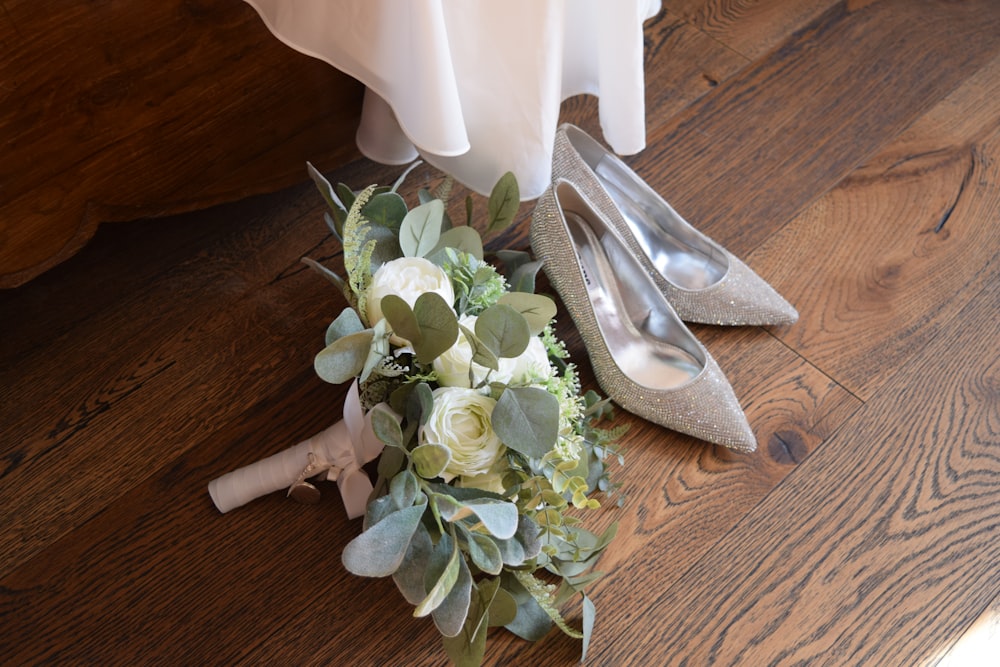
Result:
[[532, 364], [407, 278], [460, 421], [452, 366]]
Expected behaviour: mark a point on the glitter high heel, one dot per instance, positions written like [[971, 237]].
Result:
[[703, 281], [643, 356]]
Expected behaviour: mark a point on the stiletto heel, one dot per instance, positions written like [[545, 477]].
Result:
[[702, 280], [644, 357]]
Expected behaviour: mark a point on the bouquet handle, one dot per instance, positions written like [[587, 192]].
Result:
[[338, 452]]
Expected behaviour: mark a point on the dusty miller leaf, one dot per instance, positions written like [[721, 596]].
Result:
[[378, 551]]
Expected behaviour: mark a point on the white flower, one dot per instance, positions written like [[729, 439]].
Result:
[[533, 364], [452, 367], [460, 421], [407, 278]]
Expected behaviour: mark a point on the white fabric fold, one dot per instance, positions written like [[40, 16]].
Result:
[[475, 87]]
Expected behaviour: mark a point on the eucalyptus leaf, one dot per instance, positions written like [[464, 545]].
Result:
[[523, 279], [468, 647], [537, 309], [386, 209], [430, 460], [378, 551], [438, 326], [512, 259], [325, 189], [443, 583], [504, 201], [345, 324], [462, 238], [400, 317], [425, 397], [503, 607], [481, 354], [503, 330], [346, 195], [421, 228], [527, 420], [344, 359], [531, 621]]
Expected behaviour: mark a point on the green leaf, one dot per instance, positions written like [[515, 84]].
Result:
[[378, 350], [449, 616], [527, 420], [468, 647], [523, 279], [438, 326], [409, 577], [531, 622], [386, 209], [400, 317], [378, 551], [325, 189], [346, 195], [421, 229], [589, 614], [344, 359], [385, 424], [445, 582], [463, 238], [404, 489], [425, 396], [481, 354], [430, 460], [537, 309], [498, 517], [503, 330], [485, 553], [503, 607], [345, 324], [503, 203]]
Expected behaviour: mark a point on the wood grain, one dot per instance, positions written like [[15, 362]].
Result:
[[862, 532], [114, 111], [800, 119], [750, 28], [900, 245], [877, 571]]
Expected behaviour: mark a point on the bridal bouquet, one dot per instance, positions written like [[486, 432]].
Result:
[[488, 452]]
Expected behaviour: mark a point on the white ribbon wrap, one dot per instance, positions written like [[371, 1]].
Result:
[[339, 451]]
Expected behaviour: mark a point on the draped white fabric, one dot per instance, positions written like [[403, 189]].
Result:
[[474, 87]]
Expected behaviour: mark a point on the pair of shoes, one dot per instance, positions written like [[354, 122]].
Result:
[[621, 259]]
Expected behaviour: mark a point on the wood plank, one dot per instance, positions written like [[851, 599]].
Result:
[[744, 159], [898, 247], [877, 550], [114, 112], [290, 551], [749, 28], [977, 645], [148, 391]]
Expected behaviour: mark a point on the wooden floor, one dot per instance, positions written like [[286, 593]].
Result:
[[847, 151]]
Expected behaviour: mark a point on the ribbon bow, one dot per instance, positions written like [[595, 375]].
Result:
[[339, 452]]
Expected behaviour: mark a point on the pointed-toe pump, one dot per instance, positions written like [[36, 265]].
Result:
[[704, 282], [644, 357]]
